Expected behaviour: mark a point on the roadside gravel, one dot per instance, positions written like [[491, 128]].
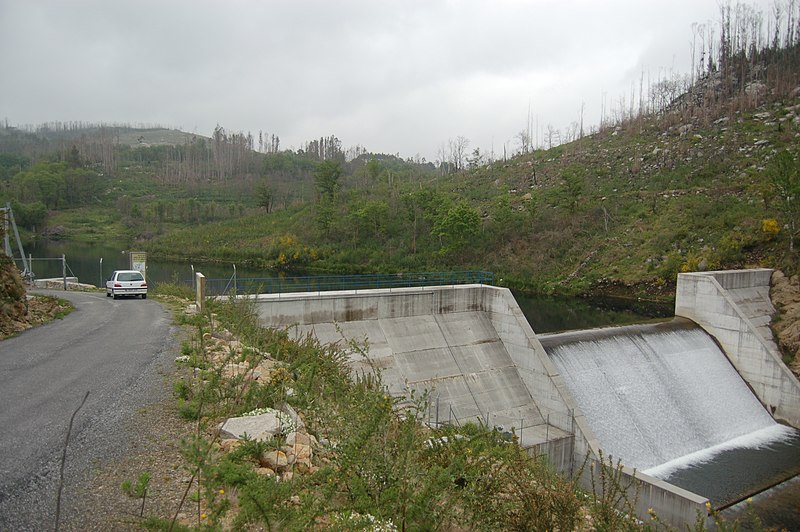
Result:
[[155, 434]]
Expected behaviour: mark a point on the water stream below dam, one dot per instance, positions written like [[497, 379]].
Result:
[[665, 400]]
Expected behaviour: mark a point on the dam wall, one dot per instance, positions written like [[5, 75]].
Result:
[[471, 345], [730, 306]]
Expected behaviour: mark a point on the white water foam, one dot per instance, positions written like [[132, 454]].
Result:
[[653, 397], [754, 440]]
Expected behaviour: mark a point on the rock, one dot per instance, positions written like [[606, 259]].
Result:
[[261, 427], [291, 458], [286, 408], [233, 369], [287, 476], [265, 471], [301, 445], [301, 438], [303, 454], [275, 460], [265, 366], [227, 445], [224, 334]]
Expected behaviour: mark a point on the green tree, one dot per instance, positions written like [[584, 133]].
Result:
[[372, 216], [265, 197], [458, 225], [324, 215], [784, 172], [326, 179], [374, 168], [42, 182], [74, 158]]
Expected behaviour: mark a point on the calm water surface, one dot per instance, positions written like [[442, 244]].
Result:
[[545, 314]]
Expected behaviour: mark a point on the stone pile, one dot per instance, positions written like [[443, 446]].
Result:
[[296, 451]]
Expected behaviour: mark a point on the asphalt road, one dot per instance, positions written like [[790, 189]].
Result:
[[113, 349]]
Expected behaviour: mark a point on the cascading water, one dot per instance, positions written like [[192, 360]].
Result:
[[661, 397]]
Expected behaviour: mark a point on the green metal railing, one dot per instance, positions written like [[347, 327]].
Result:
[[325, 283]]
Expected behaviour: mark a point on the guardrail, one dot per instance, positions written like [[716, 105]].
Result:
[[325, 283]]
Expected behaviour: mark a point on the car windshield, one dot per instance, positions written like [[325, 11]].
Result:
[[130, 276]]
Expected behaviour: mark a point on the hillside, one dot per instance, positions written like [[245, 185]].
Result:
[[624, 209]]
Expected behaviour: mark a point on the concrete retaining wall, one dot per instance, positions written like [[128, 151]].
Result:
[[672, 505], [705, 299]]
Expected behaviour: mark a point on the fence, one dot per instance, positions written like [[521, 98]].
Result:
[[551, 426], [58, 267], [344, 282]]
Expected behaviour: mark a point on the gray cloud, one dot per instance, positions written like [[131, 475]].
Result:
[[392, 76]]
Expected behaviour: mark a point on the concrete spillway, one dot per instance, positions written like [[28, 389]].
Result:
[[648, 395], [653, 394], [458, 358]]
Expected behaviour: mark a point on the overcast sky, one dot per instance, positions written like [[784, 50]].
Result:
[[400, 76]]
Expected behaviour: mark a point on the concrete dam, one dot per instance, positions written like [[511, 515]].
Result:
[[649, 395]]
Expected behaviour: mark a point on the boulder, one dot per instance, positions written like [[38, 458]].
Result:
[[262, 427]]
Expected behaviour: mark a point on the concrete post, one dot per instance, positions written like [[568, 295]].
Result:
[[200, 291]]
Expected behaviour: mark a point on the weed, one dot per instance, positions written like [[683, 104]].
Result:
[[137, 490]]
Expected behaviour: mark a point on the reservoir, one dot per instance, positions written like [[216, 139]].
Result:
[[545, 314]]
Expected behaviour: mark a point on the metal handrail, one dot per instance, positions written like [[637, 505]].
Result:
[[325, 283]]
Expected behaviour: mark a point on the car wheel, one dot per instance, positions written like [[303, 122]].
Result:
[[115, 296], [144, 296], [108, 294]]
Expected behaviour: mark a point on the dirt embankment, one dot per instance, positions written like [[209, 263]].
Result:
[[785, 295], [18, 311]]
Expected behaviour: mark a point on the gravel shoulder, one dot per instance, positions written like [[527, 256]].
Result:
[[155, 433], [122, 353]]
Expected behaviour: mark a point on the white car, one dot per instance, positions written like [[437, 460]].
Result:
[[126, 283]]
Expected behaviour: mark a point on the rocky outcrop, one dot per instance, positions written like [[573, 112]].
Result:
[[13, 299], [785, 295]]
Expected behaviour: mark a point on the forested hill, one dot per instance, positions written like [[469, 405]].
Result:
[[698, 175]]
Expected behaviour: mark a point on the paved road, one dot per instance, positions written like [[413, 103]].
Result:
[[113, 349]]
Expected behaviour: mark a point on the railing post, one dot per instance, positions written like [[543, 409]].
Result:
[[200, 293], [64, 269]]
